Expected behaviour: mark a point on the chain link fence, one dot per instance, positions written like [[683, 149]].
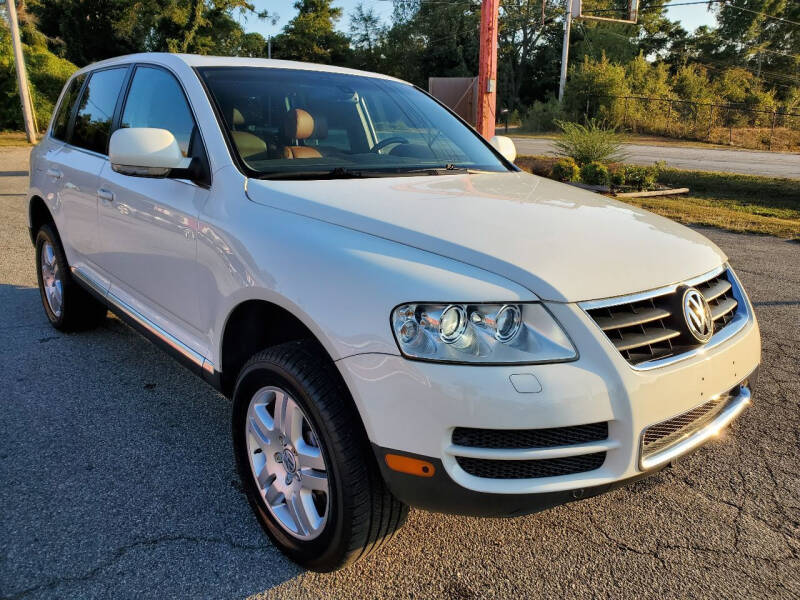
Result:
[[729, 124]]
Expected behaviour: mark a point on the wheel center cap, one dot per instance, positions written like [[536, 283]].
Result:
[[289, 461]]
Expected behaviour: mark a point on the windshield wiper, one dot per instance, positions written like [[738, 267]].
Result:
[[345, 173], [337, 173], [448, 169]]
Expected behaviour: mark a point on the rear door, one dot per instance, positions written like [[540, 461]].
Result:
[[78, 163], [148, 226]]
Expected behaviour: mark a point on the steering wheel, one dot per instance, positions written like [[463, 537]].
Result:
[[383, 143]]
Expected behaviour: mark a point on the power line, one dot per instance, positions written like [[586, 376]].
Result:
[[719, 37], [755, 12]]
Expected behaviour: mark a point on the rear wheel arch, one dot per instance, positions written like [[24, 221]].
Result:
[[39, 214]]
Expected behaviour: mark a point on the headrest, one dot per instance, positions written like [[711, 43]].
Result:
[[320, 128], [238, 117], [298, 124]]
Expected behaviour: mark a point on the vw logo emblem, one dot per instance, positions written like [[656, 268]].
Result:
[[289, 461], [697, 314]]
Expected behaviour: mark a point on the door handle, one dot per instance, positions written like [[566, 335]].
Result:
[[54, 173], [105, 195]]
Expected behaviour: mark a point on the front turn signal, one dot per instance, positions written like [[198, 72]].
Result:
[[411, 466]]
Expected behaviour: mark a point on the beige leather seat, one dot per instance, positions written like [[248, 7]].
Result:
[[248, 144], [299, 125]]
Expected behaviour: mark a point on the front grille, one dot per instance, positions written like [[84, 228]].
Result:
[[667, 433], [531, 469], [530, 438], [646, 329]]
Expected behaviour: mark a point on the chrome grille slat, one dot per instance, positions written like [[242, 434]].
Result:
[[716, 288], [619, 320], [724, 307], [643, 327], [648, 337]]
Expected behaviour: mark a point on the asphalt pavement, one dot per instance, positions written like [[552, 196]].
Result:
[[748, 162], [117, 478]]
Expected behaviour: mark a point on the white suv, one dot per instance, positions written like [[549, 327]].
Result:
[[399, 314]]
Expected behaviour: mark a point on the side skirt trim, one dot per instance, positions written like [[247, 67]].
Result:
[[195, 361]]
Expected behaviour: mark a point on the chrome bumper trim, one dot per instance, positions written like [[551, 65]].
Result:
[[532, 453], [726, 416]]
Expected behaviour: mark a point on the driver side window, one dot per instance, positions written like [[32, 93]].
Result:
[[156, 100]]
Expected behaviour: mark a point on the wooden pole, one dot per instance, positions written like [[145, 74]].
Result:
[[562, 82], [22, 76], [487, 69]]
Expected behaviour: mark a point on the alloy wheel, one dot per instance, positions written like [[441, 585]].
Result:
[[51, 279], [287, 463]]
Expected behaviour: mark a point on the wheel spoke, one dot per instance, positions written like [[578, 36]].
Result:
[[291, 419], [312, 479], [279, 410], [297, 509], [309, 456], [265, 479], [259, 423], [273, 495], [55, 298]]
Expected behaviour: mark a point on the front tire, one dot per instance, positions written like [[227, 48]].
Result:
[[307, 467], [68, 306]]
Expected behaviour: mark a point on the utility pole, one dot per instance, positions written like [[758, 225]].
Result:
[[565, 49], [22, 76], [487, 69], [269, 47]]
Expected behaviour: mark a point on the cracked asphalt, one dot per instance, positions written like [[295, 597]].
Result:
[[117, 478]]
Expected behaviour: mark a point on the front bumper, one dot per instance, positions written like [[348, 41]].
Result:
[[413, 408]]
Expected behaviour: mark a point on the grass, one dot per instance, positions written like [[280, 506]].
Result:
[[13, 138], [741, 203]]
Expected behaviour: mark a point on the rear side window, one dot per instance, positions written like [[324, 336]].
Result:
[[61, 121], [156, 100], [96, 110]]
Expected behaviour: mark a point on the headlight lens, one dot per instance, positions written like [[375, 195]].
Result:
[[481, 333]]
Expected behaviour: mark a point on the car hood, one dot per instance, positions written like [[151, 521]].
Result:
[[561, 242]]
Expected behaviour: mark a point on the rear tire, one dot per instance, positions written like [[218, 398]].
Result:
[[67, 305], [359, 513]]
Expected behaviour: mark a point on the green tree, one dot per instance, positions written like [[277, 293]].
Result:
[[367, 36], [89, 30], [46, 73], [310, 36], [597, 85]]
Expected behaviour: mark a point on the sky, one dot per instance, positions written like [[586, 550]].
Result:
[[690, 16]]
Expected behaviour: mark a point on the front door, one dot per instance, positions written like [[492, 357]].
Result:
[[148, 226]]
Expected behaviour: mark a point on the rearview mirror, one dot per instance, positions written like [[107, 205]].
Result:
[[145, 152], [504, 146]]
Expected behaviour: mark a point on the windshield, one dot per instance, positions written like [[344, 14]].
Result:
[[286, 123]]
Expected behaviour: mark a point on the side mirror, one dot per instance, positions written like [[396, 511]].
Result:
[[504, 146], [145, 152]]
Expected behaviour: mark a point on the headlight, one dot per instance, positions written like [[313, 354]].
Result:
[[480, 333]]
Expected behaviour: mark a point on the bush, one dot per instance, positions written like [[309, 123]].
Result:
[[542, 116], [565, 170], [595, 173], [589, 143], [642, 178], [617, 177]]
